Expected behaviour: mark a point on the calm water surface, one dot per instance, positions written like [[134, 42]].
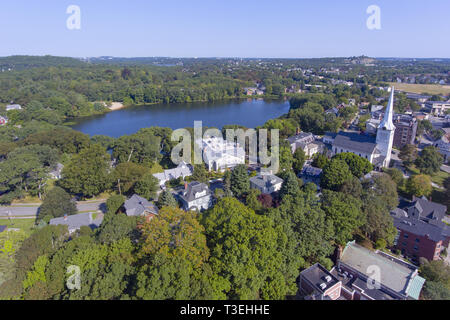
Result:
[[249, 113]]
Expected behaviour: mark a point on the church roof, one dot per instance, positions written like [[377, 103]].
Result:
[[355, 142], [387, 119]]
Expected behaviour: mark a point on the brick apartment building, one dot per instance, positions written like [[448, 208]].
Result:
[[421, 231], [405, 130], [362, 274]]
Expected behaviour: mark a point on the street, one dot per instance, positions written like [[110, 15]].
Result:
[[23, 210]]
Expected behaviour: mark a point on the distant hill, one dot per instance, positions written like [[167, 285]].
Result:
[[27, 62]]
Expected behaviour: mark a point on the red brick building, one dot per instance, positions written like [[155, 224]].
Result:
[[421, 232]]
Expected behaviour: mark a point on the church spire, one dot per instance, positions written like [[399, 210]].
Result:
[[387, 123]]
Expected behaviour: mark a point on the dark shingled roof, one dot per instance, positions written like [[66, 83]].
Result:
[[266, 180], [3, 228], [300, 136], [136, 205], [193, 188], [355, 142]]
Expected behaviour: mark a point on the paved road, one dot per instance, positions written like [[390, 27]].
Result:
[[22, 210]]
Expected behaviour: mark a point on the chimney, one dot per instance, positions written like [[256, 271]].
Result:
[[185, 186], [297, 130]]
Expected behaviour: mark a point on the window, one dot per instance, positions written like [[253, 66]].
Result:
[[417, 240], [416, 247], [405, 236]]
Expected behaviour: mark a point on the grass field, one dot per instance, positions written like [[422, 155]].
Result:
[[26, 225], [422, 88]]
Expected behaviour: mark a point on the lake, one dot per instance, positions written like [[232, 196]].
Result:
[[249, 113]]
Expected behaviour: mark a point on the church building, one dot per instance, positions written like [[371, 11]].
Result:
[[375, 149]]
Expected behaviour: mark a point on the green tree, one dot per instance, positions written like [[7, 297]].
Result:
[[87, 172], [429, 160], [419, 185], [345, 213], [166, 199], [334, 174], [200, 174], [290, 185], [299, 160], [114, 203], [240, 183], [126, 175], [245, 251], [320, 160], [57, 203], [147, 186], [408, 153], [358, 166]]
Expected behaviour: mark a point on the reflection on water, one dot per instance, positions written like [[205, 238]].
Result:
[[249, 113]]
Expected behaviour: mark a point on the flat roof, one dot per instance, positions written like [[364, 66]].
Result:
[[394, 275]]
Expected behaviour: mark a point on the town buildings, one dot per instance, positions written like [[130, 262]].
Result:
[[375, 149], [437, 108], [196, 196], [266, 183], [421, 231]]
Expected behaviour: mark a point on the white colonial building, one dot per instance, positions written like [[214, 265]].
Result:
[[219, 154]]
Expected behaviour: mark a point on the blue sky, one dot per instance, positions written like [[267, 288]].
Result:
[[226, 28]]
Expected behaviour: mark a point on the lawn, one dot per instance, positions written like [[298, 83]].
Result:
[[422, 88], [439, 177], [27, 225]]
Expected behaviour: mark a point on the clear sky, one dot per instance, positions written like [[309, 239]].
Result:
[[226, 28]]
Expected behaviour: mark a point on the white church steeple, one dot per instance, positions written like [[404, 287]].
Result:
[[385, 132], [387, 123]]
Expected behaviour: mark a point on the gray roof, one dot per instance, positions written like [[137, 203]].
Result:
[[182, 170], [429, 210], [316, 275], [301, 137], [3, 228], [394, 273], [265, 180], [194, 187], [311, 171], [355, 142], [427, 223], [78, 220], [136, 206]]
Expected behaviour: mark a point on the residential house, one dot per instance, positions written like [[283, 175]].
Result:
[[13, 107], [56, 173], [443, 145], [183, 170], [266, 183], [306, 141], [311, 174], [76, 221], [138, 206], [196, 196], [376, 275], [421, 231]]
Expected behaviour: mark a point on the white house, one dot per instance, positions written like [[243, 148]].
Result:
[[219, 154], [182, 170], [266, 183]]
